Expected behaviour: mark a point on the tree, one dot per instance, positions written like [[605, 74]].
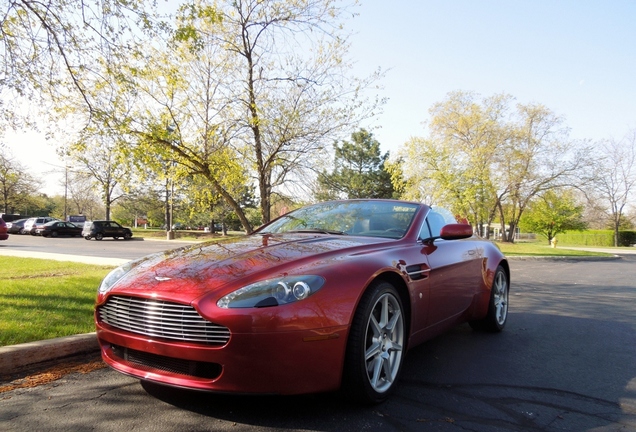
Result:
[[55, 47], [614, 178], [17, 186], [359, 170], [457, 165], [552, 213], [286, 79], [539, 157], [81, 198], [109, 170], [485, 159]]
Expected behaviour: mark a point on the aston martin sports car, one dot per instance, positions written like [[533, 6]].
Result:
[[326, 297]]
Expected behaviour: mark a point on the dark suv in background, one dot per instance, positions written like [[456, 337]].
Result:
[[100, 229]]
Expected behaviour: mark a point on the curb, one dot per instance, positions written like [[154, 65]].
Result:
[[17, 358]]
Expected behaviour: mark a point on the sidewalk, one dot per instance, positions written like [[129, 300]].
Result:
[[62, 257]]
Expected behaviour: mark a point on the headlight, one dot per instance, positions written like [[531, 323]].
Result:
[[272, 292], [114, 276]]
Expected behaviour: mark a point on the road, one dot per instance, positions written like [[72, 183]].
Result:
[[565, 362], [107, 248]]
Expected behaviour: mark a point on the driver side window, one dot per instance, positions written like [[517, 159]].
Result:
[[435, 220]]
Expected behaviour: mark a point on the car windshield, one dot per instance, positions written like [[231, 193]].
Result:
[[362, 218]]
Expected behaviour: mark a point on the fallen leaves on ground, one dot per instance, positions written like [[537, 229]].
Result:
[[52, 374]]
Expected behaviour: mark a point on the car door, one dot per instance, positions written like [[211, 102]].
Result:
[[109, 229], [455, 269]]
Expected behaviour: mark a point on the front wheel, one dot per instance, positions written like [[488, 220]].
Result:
[[127, 236], [495, 319], [376, 345], [99, 236]]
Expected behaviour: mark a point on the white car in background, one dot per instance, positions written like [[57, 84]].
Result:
[[31, 223]]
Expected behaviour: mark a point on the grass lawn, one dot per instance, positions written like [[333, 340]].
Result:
[[42, 299], [542, 249]]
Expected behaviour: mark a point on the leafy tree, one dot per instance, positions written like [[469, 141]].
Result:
[[614, 178], [552, 213], [81, 197], [359, 170], [17, 186], [109, 170], [539, 157], [55, 48], [286, 81], [485, 159]]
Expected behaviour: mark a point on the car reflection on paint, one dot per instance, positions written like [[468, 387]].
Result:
[[327, 297]]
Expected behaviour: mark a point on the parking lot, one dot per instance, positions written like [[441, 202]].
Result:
[[566, 361]]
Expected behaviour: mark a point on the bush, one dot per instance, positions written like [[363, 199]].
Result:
[[602, 238]]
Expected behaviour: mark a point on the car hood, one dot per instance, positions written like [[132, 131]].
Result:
[[187, 273]]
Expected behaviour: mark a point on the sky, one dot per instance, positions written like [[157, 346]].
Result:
[[576, 57]]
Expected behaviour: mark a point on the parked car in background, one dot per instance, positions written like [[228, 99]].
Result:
[[100, 229], [3, 230], [59, 228], [16, 226], [325, 296], [32, 223]]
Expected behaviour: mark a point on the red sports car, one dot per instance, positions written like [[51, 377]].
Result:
[[3, 230], [327, 296]]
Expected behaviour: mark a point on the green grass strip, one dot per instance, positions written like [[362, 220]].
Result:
[[42, 299], [540, 249]]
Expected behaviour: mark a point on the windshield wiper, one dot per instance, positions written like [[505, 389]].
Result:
[[318, 231]]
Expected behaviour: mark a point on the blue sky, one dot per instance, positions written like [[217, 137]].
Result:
[[577, 57]]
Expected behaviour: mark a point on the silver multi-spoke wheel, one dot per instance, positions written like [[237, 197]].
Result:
[[376, 345], [500, 297], [497, 314], [385, 339]]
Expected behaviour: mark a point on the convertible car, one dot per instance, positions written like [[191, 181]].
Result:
[[326, 297]]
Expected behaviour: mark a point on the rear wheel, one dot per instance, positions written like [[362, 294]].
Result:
[[99, 236], [495, 319], [54, 234], [376, 345]]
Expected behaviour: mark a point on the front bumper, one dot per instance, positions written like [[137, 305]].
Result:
[[277, 362]]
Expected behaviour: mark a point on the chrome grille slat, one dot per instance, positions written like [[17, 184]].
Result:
[[161, 319]]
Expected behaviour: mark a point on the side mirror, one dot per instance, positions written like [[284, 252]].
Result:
[[456, 231]]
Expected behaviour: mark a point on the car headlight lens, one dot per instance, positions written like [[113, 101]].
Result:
[[113, 277], [272, 292]]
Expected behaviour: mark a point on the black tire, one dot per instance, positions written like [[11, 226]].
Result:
[[54, 234], [376, 345], [99, 236], [87, 237], [495, 319], [127, 236]]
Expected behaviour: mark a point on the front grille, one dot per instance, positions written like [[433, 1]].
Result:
[[161, 319], [153, 362]]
